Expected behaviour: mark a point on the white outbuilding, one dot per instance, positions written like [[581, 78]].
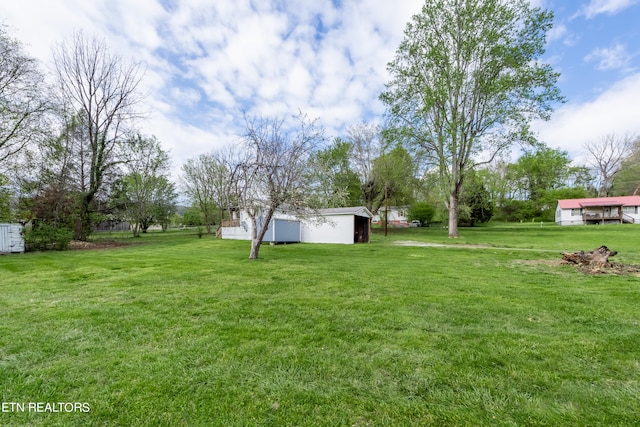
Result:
[[11, 238], [338, 225]]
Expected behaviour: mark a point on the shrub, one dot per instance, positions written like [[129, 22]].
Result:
[[422, 212], [44, 237]]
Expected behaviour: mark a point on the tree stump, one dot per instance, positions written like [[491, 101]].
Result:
[[597, 259]]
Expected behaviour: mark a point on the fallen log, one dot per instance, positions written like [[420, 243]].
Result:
[[597, 259]]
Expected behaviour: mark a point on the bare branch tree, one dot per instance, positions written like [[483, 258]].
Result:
[[367, 146], [205, 181], [271, 172], [98, 87], [22, 98], [606, 155]]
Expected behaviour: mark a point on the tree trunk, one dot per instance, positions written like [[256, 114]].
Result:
[[258, 235], [83, 227], [255, 248], [255, 243], [386, 210], [596, 259], [453, 216]]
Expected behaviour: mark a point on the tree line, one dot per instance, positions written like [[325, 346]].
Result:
[[465, 84], [71, 154]]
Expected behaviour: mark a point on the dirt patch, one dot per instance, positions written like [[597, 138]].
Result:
[[439, 245], [78, 245], [612, 269], [551, 262], [465, 246]]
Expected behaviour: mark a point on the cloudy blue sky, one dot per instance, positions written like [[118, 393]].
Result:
[[208, 60]]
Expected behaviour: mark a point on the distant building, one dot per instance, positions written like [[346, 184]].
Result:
[[602, 210], [398, 216]]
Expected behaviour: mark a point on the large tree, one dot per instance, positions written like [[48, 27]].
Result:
[[366, 146], [100, 91], [538, 171], [272, 172], [538, 179], [467, 81], [394, 179], [475, 201], [606, 155], [22, 98], [335, 184], [205, 180], [144, 195]]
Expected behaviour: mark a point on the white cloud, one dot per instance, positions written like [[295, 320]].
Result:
[[612, 112], [558, 32], [611, 7], [615, 58]]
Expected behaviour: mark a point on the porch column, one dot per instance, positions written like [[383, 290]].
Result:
[[620, 213]]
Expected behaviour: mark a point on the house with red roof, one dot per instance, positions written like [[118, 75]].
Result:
[[601, 210]]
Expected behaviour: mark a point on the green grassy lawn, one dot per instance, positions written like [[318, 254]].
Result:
[[177, 330]]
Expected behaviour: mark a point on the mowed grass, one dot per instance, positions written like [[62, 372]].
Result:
[[178, 330]]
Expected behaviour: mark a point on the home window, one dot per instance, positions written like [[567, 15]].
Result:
[[630, 209], [576, 212]]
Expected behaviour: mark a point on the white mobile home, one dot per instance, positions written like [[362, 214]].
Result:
[[339, 225], [398, 216], [602, 210]]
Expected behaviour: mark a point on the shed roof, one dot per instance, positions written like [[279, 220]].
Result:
[[356, 210], [599, 201]]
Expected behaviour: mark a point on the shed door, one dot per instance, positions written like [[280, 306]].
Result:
[[361, 229], [4, 238]]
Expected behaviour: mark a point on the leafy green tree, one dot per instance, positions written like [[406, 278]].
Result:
[[537, 178], [144, 195], [421, 211], [394, 176], [335, 183], [538, 171], [475, 201], [394, 179], [193, 217], [467, 80], [546, 205], [495, 178]]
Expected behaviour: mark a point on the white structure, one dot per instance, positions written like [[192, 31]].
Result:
[[339, 225], [603, 210], [11, 239], [398, 216]]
